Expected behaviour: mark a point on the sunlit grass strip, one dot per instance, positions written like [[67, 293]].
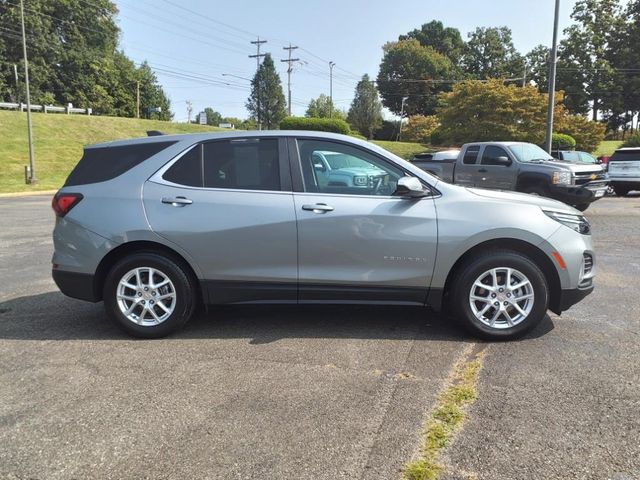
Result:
[[446, 418]]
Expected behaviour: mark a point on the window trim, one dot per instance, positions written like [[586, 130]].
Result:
[[298, 179], [283, 164]]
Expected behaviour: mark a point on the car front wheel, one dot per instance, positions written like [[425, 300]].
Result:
[[500, 295], [149, 295]]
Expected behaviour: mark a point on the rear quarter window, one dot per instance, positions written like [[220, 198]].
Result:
[[471, 155], [99, 164]]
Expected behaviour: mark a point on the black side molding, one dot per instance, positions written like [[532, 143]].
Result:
[[154, 133], [75, 285]]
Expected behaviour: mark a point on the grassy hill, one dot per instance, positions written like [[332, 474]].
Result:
[[58, 141]]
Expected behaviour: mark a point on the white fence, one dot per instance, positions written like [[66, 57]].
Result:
[[45, 108]]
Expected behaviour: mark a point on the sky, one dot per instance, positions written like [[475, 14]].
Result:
[[200, 49]]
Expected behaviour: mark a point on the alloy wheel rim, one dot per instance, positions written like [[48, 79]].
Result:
[[146, 296], [501, 298]]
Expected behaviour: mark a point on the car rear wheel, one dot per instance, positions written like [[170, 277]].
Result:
[[499, 295], [149, 295]]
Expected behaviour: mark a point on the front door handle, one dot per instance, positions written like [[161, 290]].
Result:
[[177, 201], [318, 208], [482, 170]]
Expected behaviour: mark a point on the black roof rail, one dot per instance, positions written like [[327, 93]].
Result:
[[154, 133]]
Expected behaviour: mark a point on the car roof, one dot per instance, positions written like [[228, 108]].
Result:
[[199, 137]]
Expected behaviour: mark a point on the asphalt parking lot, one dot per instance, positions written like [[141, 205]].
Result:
[[310, 392]]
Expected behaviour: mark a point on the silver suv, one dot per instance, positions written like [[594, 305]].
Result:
[[156, 226]]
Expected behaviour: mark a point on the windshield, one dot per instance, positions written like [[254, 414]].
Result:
[[587, 158], [527, 152]]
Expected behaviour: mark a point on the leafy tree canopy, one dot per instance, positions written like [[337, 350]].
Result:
[[266, 102], [365, 114]]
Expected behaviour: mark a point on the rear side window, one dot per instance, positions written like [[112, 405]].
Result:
[[104, 163], [471, 155], [242, 164]]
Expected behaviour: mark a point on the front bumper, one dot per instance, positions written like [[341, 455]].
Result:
[[76, 285], [579, 194], [568, 298]]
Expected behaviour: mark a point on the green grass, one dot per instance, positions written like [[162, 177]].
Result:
[[58, 140], [607, 147], [403, 149], [445, 420]]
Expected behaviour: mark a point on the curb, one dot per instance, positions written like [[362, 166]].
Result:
[[27, 194]]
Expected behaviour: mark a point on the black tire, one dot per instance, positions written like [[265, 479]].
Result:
[[472, 269], [184, 286], [621, 191], [536, 190], [583, 206]]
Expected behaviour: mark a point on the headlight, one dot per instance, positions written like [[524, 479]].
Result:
[[575, 222], [561, 178]]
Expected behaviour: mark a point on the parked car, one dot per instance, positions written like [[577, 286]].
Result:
[[575, 156], [522, 167], [334, 169], [155, 226], [624, 170]]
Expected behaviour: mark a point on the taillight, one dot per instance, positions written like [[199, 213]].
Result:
[[63, 202]]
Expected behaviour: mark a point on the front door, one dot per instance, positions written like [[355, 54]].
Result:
[[356, 241], [228, 204], [493, 174]]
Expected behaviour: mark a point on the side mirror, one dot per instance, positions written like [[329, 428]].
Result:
[[319, 166], [503, 161], [410, 187]]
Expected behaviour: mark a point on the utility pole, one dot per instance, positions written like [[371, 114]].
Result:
[[404, 99], [31, 178], [257, 56], [189, 110], [289, 70], [138, 99], [331, 65], [552, 80]]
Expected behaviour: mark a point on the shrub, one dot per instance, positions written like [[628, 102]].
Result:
[[632, 141], [334, 125], [419, 128], [587, 133], [562, 141], [437, 137], [388, 131]]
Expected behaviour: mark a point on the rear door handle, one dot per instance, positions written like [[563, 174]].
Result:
[[177, 201], [318, 208]]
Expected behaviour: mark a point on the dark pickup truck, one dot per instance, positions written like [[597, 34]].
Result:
[[522, 167]]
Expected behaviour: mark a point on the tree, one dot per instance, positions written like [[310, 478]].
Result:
[[152, 96], [365, 114], [537, 67], [490, 53], [446, 41], [584, 69], [419, 128], [410, 70], [483, 111], [213, 117], [322, 107], [266, 102], [73, 57]]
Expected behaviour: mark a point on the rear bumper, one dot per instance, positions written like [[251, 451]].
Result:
[[75, 285], [579, 194]]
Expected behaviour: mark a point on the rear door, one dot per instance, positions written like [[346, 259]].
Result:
[[356, 241], [494, 175], [228, 204]]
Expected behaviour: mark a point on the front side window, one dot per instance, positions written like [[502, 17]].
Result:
[[491, 154], [239, 164], [329, 167]]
